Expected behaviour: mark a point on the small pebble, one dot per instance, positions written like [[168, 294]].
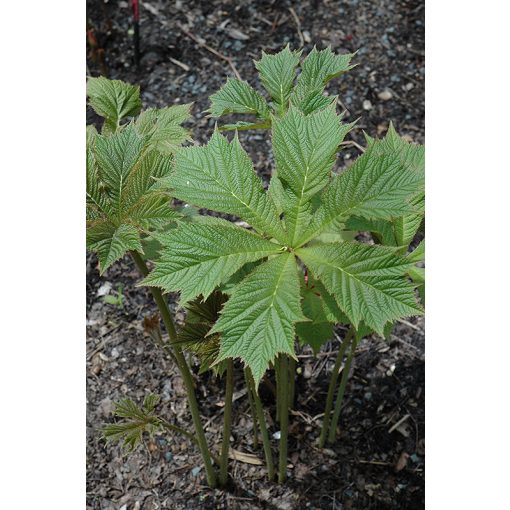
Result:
[[385, 95], [367, 105], [277, 435], [195, 471], [169, 457]]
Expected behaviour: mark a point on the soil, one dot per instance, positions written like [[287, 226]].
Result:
[[373, 464]]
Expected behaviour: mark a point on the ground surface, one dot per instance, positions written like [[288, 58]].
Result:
[[373, 465]]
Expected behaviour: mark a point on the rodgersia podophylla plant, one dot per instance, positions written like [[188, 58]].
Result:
[[291, 272]]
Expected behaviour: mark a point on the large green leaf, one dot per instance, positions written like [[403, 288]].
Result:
[[378, 185], [113, 100], [368, 282], [305, 148], [197, 257], [317, 69], [220, 176], [258, 320], [277, 73], [112, 243], [237, 96]]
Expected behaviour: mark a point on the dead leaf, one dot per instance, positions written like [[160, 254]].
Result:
[[247, 458]]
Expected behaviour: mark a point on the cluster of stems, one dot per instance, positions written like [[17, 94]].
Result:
[[285, 370]]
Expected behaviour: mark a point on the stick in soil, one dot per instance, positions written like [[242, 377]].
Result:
[[341, 391], [183, 368], [332, 385]]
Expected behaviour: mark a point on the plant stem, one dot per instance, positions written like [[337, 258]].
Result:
[[184, 369], [227, 422], [332, 386], [283, 395], [252, 409], [262, 424], [341, 391], [292, 381], [278, 377]]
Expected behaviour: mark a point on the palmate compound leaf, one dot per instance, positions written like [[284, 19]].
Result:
[[380, 184], [277, 73], [258, 320], [197, 257], [368, 282], [305, 148], [113, 100], [220, 176], [237, 96], [135, 421], [123, 198], [317, 69]]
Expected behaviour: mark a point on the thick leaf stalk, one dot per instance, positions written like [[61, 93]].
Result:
[[341, 391], [262, 424], [227, 422], [283, 395], [332, 385], [183, 368], [252, 410]]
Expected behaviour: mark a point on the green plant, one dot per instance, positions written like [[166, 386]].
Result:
[[126, 206], [117, 298], [301, 271]]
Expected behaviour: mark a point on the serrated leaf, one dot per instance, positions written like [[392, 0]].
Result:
[[318, 329], [305, 148], [277, 73], [418, 254], [407, 226], [123, 189], [367, 282], [113, 100], [196, 257], [382, 230], [162, 127], [375, 186], [237, 96], [316, 101], [201, 316], [417, 275], [244, 126], [258, 320], [220, 176], [112, 243], [136, 421], [317, 69]]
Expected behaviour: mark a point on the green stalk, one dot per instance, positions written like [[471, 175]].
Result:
[[278, 376], [227, 422], [292, 381], [341, 391], [183, 368], [332, 386], [252, 409], [262, 424], [283, 394]]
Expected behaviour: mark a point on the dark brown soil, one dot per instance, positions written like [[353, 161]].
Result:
[[387, 381]]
